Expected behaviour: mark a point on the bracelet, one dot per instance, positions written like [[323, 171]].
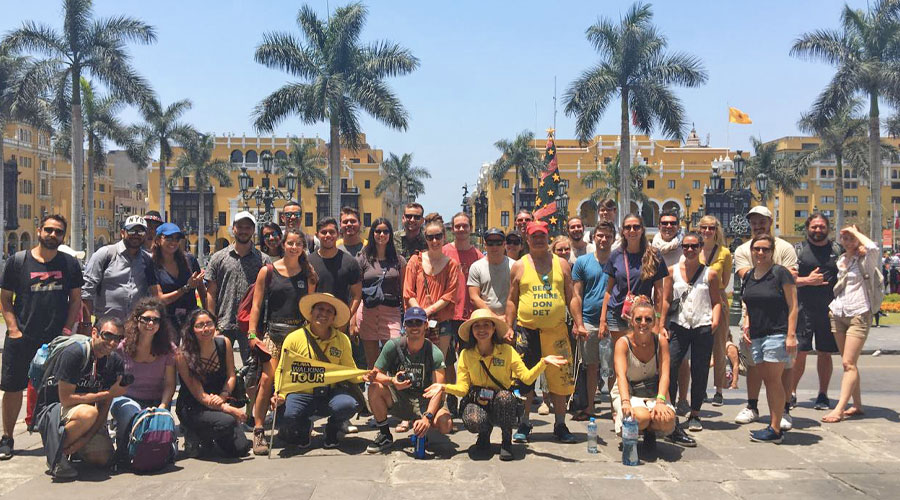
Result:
[[66, 331], [662, 397], [251, 336]]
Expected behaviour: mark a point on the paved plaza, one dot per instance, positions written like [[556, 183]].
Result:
[[854, 459]]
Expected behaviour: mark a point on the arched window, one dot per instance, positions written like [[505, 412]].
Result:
[[264, 152], [25, 241], [237, 156], [846, 174], [280, 155], [823, 173], [250, 157], [830, 173]]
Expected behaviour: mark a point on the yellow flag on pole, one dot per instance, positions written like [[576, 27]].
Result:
[[737, 116], [299, 373]]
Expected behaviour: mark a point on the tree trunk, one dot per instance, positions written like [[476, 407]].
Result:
[[875, 170], [76, 230], [162, 187], [839, 191], [334, 169], [516, 189], [625, 162], [201, 233], [2, 192], [90, 199]]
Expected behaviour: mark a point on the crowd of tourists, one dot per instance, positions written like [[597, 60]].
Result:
[[435, 332]]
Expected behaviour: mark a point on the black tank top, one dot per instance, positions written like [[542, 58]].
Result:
[[284, 296]]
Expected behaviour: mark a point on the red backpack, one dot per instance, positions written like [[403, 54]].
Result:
[[246, 305]]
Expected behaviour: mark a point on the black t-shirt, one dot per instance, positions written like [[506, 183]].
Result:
[[336, 274], [68, 367], [825, 258], [168, 283], [766, 303], [42, 293]]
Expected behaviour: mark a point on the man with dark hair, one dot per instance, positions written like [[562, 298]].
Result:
[[80, 382], [575, 231], [339, 272], [607, 210], [410, 240], [291, 214], [46, 285], [523, 217], [154, 220], [351, 240], [816, 276]]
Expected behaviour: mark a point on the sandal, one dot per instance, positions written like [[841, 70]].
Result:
[[829, 419], [402, 427], [583, 416]]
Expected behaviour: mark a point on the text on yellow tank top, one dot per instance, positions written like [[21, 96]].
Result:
[[542, 301]]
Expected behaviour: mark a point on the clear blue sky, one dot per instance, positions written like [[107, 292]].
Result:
[[487, 68]]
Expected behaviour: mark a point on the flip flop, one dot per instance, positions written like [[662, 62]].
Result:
[[828, 419], [402, 426], [583, 416]]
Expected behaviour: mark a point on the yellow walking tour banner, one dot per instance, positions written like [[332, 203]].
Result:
[[299, 373], [737, 116]]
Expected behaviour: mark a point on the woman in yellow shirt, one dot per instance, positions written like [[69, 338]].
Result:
[[487, 368], [717, 256]]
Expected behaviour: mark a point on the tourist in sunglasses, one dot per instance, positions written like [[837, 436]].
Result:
[[270, 237], [410, 240], [178, 275], [514, 246], [717, 256]]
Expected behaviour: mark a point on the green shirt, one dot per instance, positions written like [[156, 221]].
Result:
[[390, 362]]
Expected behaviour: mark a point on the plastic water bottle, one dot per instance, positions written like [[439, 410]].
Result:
[[418, 445], [36, 368], [606, 369], [592, 436], [629, 442]]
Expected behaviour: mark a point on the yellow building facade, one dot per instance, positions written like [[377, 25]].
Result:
[[360, 174], [39, 181]]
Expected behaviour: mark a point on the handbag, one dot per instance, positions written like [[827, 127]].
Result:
[[475, 393], [629, 297], [373, 295], [649, 387], [675, 305]]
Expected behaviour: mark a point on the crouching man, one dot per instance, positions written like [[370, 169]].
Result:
[[80, 381], [406, 366]]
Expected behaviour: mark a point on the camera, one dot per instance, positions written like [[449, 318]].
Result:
[[127, 379], [404, 376]]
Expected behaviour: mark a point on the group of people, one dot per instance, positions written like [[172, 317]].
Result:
[[442, 330]]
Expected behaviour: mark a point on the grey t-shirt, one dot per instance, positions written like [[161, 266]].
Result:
[[232, 274], [492, 281]]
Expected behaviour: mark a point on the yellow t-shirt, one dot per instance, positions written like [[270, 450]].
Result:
[[722, 263], [542, 302], [504, 363], [337, 349]]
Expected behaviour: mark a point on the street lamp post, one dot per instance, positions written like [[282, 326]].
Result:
[[265, 195]]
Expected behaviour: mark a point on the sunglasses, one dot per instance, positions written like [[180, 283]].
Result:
[[414, 323], [668, 223], [513, 242], [412, 216], [149, 320], [762, 249], [136, 232], [271, 236], [691, 246], [382, 231], [111, 337], [643, 319], [708, 228], [433, 237], [204, 325], [56, 231], [291, 215], [633, 227], [493, 243]]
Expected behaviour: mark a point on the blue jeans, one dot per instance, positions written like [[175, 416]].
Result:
[[123, 409], [300, 408]]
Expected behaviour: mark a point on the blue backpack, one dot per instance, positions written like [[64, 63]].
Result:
[[153, 441]]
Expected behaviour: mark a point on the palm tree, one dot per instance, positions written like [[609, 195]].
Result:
[[85, 46], [843, 137], [521, 156], [161, 130], [783, 175], [305, 161], [340, 76], [196, 161], [399, 172], [865, 54], [634, 67], [100, 125], [606, 182]]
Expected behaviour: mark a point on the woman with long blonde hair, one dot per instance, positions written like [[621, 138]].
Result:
[[717, 257]]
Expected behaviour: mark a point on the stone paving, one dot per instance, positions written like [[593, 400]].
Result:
[[854, 459]]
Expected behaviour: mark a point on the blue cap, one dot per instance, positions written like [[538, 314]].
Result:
[[168, 229], [415, 313]]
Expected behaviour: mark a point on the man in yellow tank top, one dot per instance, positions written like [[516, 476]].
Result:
[[540, 289]]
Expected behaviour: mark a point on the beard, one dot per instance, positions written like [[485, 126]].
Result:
[[243, 241], [49, 243], [817, 237]]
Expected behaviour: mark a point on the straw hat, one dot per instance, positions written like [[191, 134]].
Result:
[[342, 315], [500, 327]]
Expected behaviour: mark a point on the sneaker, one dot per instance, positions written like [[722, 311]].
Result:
[[562, 434], [6, 448], [718, 400], [331, 440], [746, 416], [694, 425], [767, 435], [506, 451], [64, 470], [260, 444], [787, 423], [382, 443], [522, 433], [793, 401], [650, 440], [346, 428], [679, 437], [544, 409], [483, 443], [683, 408], [822, 402]]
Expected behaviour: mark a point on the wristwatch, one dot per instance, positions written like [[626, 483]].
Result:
[[429, 416]]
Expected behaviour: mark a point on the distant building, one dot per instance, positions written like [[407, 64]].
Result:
[[130, 191]]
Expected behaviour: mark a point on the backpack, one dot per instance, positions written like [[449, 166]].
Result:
[[153, 442], [246, 305], [56, 346]]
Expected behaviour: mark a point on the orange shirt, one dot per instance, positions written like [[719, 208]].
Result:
[[428, 289]]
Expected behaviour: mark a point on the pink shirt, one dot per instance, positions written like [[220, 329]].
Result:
[[149, 378], [463, 307]]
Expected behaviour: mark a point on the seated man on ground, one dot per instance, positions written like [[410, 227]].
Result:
[[406, 366]]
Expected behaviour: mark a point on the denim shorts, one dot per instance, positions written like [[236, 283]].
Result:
[[614, 321], [769, 349]]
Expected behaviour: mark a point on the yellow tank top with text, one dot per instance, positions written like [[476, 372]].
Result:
[[542, 299]]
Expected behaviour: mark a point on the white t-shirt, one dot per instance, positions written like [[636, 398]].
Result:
[[492, 282]]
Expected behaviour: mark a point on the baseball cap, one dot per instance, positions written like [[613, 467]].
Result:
[[243, 214], [760, 210], [415, 313], [133, 221], [153, 216], [514, 236], [494, 232], [537, 226], [168, 229]]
